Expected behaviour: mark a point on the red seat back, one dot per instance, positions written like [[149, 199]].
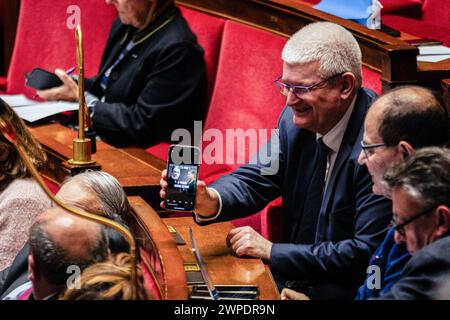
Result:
[[44, 40], [208, 30], [244, 96], [371, 79]]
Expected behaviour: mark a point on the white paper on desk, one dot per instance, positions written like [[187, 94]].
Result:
[[433, 58], [45, 109], [434, 50], [17, 100]]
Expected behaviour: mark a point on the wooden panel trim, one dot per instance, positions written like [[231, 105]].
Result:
[[154, 237]]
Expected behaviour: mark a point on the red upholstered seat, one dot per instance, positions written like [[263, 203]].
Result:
[[433, 23], [419, 28], [150, 282], [54, 188], [44, 40], [371, 79], [208, 30], [410, 8], [244, 97]]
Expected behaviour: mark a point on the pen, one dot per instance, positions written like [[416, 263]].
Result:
[[70, 70]]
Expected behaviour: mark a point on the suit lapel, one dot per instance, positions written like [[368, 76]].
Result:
[[114, 53], [346, 148]]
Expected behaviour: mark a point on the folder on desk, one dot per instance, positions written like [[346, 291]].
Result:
[[356, 10]]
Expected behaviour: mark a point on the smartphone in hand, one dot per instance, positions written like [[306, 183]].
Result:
[[42, 79], [182, 174]]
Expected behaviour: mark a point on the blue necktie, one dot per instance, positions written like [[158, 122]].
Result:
[[313, 202]]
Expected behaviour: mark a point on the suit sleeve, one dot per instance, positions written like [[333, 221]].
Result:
[[250, 188], [161, 106], [338, 260]]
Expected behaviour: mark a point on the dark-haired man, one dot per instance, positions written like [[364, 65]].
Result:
[[59, 241], [421, 205]]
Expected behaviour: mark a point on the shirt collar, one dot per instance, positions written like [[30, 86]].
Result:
[[333, 138]]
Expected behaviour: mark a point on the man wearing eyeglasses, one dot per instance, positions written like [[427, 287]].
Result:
[[399, 122], [333, 222], [421, 204]]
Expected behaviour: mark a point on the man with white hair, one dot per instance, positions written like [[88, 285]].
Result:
[[333, 221]]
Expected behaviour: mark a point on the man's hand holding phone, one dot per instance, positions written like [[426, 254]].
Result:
[[206, 200], [181, 189]]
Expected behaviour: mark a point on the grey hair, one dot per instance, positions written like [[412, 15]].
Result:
[[425, 176], [332, 45], [113, 198]]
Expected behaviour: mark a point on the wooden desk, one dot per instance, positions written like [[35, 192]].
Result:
[[222, 265], [138, 176]]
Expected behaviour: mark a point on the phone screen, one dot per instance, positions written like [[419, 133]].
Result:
[[182, 175]]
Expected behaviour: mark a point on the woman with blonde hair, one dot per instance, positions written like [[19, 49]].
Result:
[[21, 198], [110, 280]]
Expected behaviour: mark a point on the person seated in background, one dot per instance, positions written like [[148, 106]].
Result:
[[109, 280], [59, 241], [21, 198], [333, 222], [421, 204], [399, 122], [394, 128], [94, 191], [152, 78]]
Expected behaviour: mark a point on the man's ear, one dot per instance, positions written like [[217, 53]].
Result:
[[405, 149], [443, 221], [348, 85], [4, 151], [31, 268]]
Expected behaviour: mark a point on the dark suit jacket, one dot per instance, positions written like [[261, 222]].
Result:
[[159, 85], [424, 273], [16, 274], [352, 221]]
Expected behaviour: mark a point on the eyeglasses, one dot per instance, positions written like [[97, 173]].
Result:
[[369, 149], [299, 90], [400, 227]]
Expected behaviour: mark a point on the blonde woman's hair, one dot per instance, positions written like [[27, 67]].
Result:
[[13, 166], [110, 280]]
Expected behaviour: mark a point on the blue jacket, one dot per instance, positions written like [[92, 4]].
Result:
[[352, 221], [391, 258], [425, 274]]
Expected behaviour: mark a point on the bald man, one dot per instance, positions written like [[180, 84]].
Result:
[[58, 242]]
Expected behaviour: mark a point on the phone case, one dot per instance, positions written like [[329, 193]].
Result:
[[41, 79]]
